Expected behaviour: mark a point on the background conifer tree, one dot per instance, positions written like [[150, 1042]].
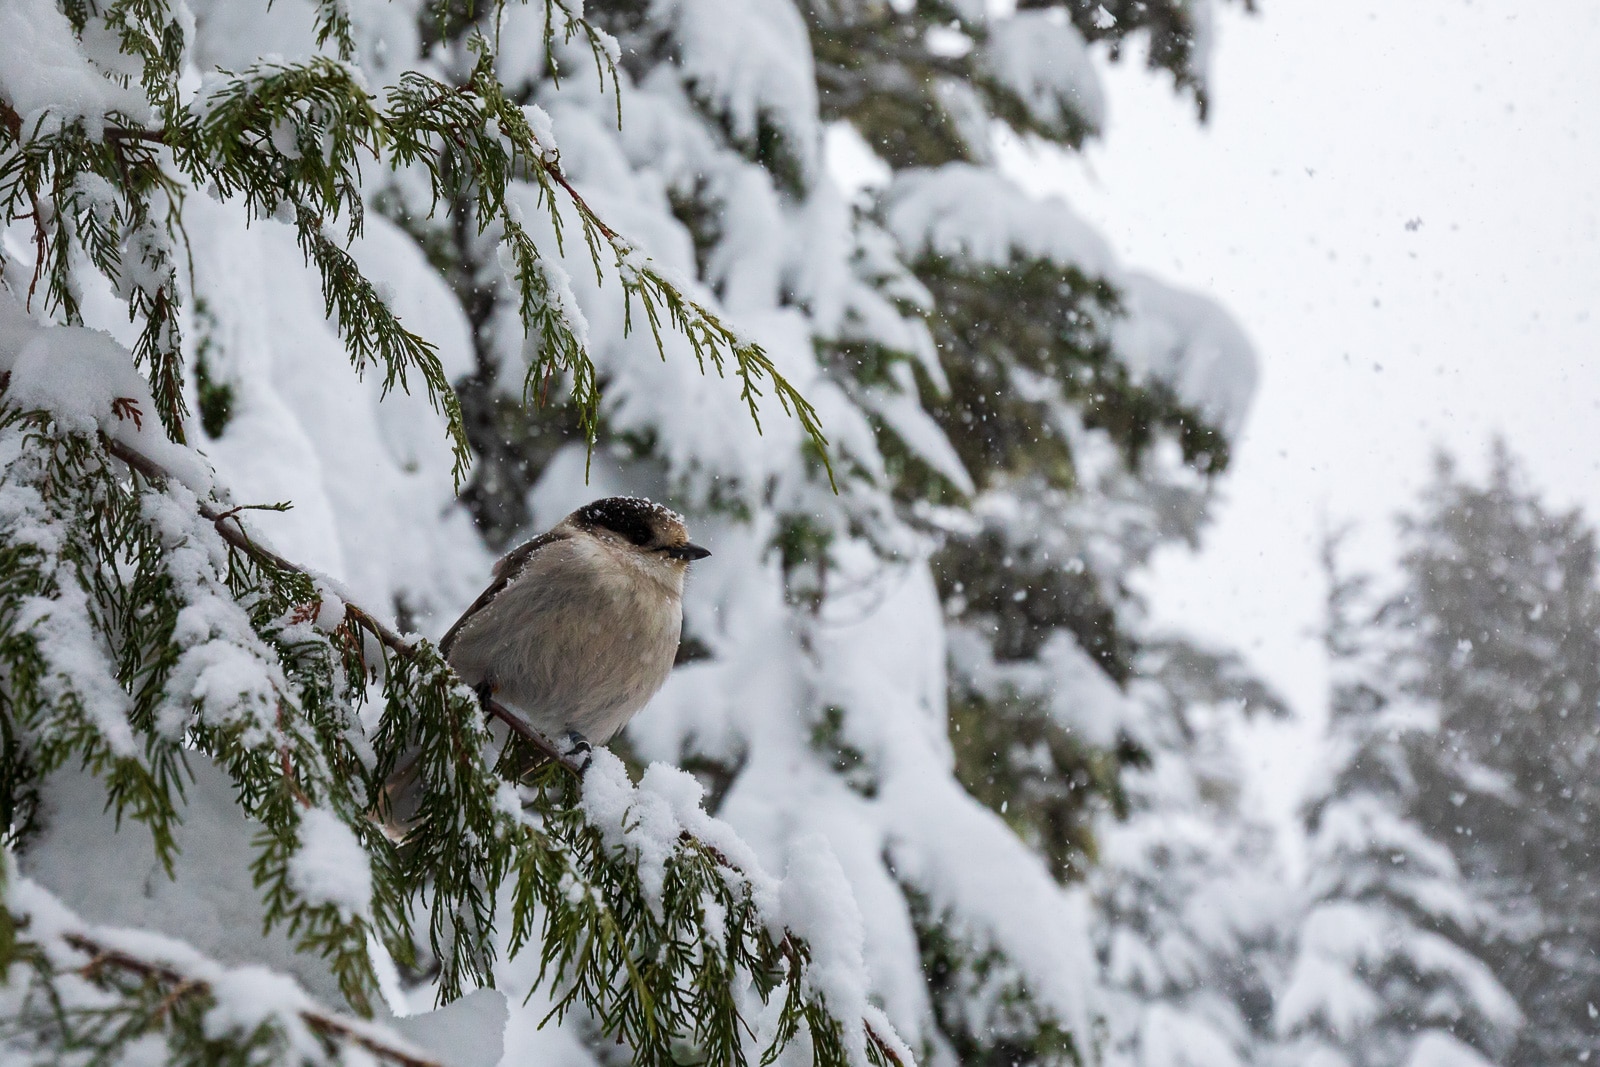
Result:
[[1388, 966], [1504, 617]]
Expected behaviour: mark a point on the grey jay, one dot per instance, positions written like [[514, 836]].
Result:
[[578, 629]]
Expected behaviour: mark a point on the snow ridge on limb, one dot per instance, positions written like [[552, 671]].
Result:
[[100, 987], [959, 223], [221, 647]]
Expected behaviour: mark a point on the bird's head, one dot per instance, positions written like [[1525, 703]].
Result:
[[638, 527]]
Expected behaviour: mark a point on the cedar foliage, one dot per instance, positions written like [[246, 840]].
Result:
[[122, 582]]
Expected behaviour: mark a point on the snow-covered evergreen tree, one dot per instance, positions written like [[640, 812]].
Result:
[[1385, 971], [901, 667], [1109, 384], [1192, 898], [1503, 615], [1089, 407]]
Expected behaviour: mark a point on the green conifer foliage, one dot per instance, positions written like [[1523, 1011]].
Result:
[[1026, 366], [144, 631], [920, 99], [287, 141]]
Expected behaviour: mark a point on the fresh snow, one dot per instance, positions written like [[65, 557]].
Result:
[[47, 77], [330, 866], [1042, 58]]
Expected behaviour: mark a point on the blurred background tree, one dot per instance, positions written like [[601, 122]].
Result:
[[1452, 867], [1502, 612]]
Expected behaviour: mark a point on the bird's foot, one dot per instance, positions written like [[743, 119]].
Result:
[[485, 691], [575, 748]]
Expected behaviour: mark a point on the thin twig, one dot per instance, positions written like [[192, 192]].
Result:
[[179, 991], [118, 134], [519, 726], [12, 121], [883, 1046], [582, 205], [39, 242], [184, 985]]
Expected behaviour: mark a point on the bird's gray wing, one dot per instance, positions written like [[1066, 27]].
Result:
[[508, 567]]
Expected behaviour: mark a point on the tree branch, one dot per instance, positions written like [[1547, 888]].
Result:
[[882, 1046], [117, 134], [582, 205], [232, 530], [183, 985]]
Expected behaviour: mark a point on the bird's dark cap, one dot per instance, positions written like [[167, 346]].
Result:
[[637, 520]]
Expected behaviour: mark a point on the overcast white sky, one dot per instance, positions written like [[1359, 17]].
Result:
[[1334, 125]]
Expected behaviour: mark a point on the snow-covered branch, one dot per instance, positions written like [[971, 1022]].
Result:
[[97, 987], [596, 890], [232, 530]]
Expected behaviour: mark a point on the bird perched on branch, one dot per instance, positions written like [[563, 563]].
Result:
[[580, 626], [578, 629]]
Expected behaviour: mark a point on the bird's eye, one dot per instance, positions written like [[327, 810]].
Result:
[[633, 534]]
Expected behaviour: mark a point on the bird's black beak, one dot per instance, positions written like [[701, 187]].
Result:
[[687, 552]]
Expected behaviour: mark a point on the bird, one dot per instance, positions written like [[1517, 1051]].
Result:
[[577, 630]]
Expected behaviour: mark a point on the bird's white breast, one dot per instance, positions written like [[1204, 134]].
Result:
[[580, 639]]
